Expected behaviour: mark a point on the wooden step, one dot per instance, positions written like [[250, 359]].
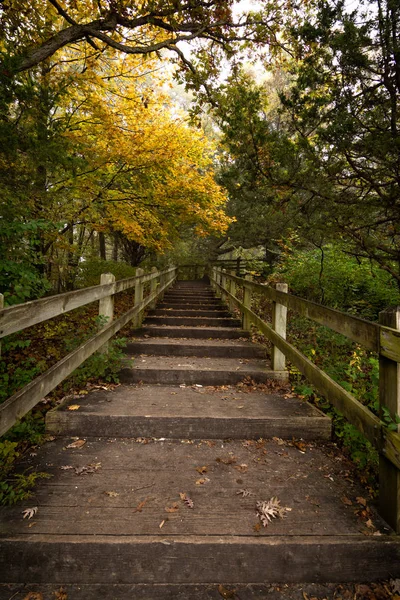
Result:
[[195, 347], [192, 321], [193, 332], [176, 412], [197, 370], [192, 312], [111, 525]]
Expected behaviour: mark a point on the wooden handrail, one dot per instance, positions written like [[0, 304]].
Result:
[[378, 337], [19, 317], [372, 336], [15, 407]]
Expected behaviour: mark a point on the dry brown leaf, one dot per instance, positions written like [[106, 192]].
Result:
[[201, 470], [61, 594], [77, 444], [370, 524], [33, 596], [346, 501], [257, 527], [227, 461], [30, 512], [202, 481], [241, 468], [186, 499], [140, 506], [74, 407], [361, 501], [225, 593], [173, 508], [112, 494]]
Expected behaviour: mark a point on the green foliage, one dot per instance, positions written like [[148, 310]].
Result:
[[89, 271], [331, 276], [19, 487]]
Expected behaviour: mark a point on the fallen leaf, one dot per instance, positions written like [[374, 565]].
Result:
[[346, 501], [112, 494], [244, 493], [370, 524], [361, 501], [202, 481], [77, 444], [257, 527], [279, 441], [187, 500], [242, 468], [86, 470], [30, 512], [173, 508], [225, 593], [66, 467], [201, 470], [74, 407], [140, 506], [61, 594], [33, 596], [270, 509]]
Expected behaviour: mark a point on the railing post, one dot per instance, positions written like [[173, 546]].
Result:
[[153, 287], [246, 321], [137, 320], [223, 283], [106, 305], [279, 318], [218, 282], [232, 290], [389, 397]]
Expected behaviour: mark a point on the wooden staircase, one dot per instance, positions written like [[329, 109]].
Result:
[[154, 483]]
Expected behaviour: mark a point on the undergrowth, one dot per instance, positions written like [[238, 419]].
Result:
[[24, 359]]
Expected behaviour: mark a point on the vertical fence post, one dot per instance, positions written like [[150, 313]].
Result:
[[223, 284], [389, 397], [218, 281], [137, 320], [153, 286], [246, 321], [1, 307], [232, 290], [106, 305], [279, 319]]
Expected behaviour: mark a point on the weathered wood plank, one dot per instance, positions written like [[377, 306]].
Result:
[[21, 316], [387, 442], [121, 559], [359, 330], [22, 401]]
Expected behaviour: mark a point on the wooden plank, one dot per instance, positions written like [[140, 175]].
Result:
[[359, 330], [387, 442], [21, 316], [390, 343], [123, 559], [23, 401]]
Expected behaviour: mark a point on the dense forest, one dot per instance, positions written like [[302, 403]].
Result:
[[151, 133]]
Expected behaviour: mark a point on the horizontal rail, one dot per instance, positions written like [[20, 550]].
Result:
[[386, 441], [15, 407], [372, 336], [21, 316]]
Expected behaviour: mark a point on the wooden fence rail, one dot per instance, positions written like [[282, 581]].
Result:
[[383, 338], [37, 311]]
